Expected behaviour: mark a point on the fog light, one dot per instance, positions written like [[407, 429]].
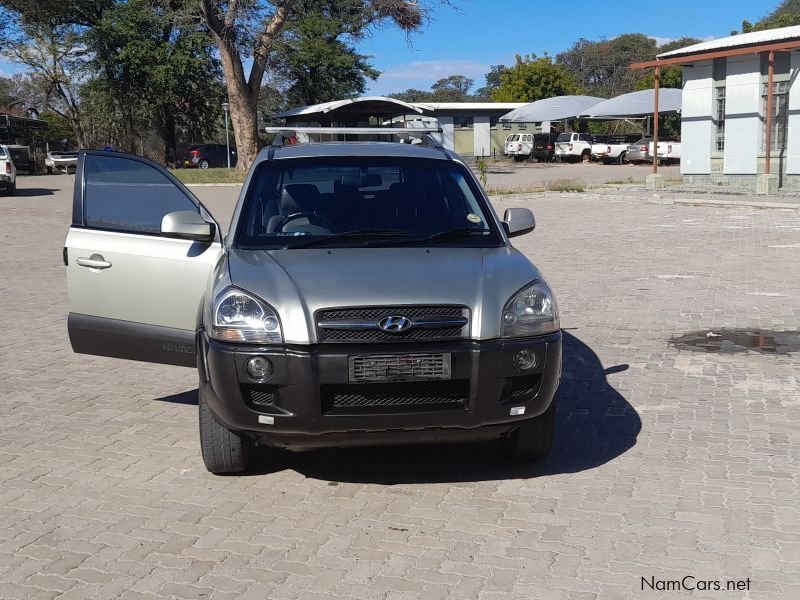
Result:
[[258, 368], [524, 360]]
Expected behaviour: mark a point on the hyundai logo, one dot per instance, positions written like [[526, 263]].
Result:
[[395, 324]]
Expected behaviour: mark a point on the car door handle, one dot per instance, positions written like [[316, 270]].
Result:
[[94, 262]]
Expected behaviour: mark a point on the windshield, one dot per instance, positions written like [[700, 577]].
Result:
[[564, 137], [357, 201]]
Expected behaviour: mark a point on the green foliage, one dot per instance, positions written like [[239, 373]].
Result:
[[155, 69], [59, 131], [671, 77], [786, 14], [483, 172], [602, 68], [316, 62], [492, 82], [453, 88], [533, 78]]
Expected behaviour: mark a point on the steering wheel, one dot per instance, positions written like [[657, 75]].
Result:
[[313, 219]]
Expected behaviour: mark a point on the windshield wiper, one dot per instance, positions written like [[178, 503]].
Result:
[[357, 234], [448, 234]]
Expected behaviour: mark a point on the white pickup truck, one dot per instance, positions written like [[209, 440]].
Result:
[[612, 149], [574, 147], [519, 145], [669, 152], [8, 173]]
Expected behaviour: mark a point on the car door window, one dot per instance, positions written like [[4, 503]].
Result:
[[123, 194]]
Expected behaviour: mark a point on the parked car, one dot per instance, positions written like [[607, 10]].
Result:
[[22, 158], [8, 173], [639, 151], [60, 161], [520, 148], [204, 156], [544, 146], [612, 149], [669, 152], [574, 147], [322, 319], [512, 137]]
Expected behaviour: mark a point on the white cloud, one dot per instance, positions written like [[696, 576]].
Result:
[[421, 74]]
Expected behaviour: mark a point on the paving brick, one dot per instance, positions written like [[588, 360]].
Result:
[[667, 462]]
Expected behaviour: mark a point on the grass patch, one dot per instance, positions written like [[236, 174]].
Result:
[[209, 175], [623, 181], [564, 185]]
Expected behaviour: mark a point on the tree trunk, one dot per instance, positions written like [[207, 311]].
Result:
[[244, 119], [169, 138]]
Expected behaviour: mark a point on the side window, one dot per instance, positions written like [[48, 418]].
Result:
[[121, 194]]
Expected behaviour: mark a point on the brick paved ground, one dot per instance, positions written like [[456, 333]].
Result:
[[668, 463]]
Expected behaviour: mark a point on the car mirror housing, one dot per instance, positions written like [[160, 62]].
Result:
[[518, 221], [187, 225]]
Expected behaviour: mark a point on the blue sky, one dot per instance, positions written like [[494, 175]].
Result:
[[483, 33]]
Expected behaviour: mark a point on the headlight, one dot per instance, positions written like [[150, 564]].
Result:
[[239, 317], [532, 311]]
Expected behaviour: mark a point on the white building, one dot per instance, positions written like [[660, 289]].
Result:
[[468, 128], [725, 105]]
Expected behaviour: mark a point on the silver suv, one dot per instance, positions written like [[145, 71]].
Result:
[[366, 293]]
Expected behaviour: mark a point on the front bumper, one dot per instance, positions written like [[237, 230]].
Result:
[[300, 414]]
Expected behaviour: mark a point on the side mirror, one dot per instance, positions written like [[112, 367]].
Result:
[[187, 225], [518, 221]]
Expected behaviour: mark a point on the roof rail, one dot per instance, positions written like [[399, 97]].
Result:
[[288, 135]]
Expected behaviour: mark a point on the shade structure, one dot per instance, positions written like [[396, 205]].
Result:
[[636, 104], [551, 109]]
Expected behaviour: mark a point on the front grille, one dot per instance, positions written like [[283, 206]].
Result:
[[331, 331], [395, 397], [402, 367]]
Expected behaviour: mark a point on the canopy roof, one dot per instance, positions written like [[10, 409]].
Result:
[[636, 104], [551, 109], [365, 104]]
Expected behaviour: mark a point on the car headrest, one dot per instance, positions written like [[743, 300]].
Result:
[[299, 197]]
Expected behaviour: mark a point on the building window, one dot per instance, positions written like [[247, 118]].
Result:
[[522, 125], [464, 122], [493, 121], [506, 125], [719, 121], [780, 113]]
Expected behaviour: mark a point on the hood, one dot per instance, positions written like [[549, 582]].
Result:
[[298, 283]]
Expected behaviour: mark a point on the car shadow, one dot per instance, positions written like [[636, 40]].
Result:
[[30, 192], [595, 424]]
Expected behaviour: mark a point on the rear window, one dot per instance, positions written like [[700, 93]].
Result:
[[307, 198], [564, 137]]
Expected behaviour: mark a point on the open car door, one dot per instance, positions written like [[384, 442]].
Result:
[[136, 279]]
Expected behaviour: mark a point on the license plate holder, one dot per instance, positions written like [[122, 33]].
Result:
[[378, 368]]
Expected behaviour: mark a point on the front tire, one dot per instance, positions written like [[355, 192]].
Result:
[[204, 164], [623, 158], [533, 440], [224, 451]]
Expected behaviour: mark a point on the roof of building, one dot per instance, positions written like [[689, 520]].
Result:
[[743, 39], [386, 104], [470, 105], [326, 107], [373, 149]]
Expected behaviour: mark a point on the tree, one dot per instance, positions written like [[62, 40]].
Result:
[[453, 88], [602, 68], [786, 14], [315, 61], [492, 82], [54, 54], [157, 67], [533, 78], [671, 77], [251, 30]]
